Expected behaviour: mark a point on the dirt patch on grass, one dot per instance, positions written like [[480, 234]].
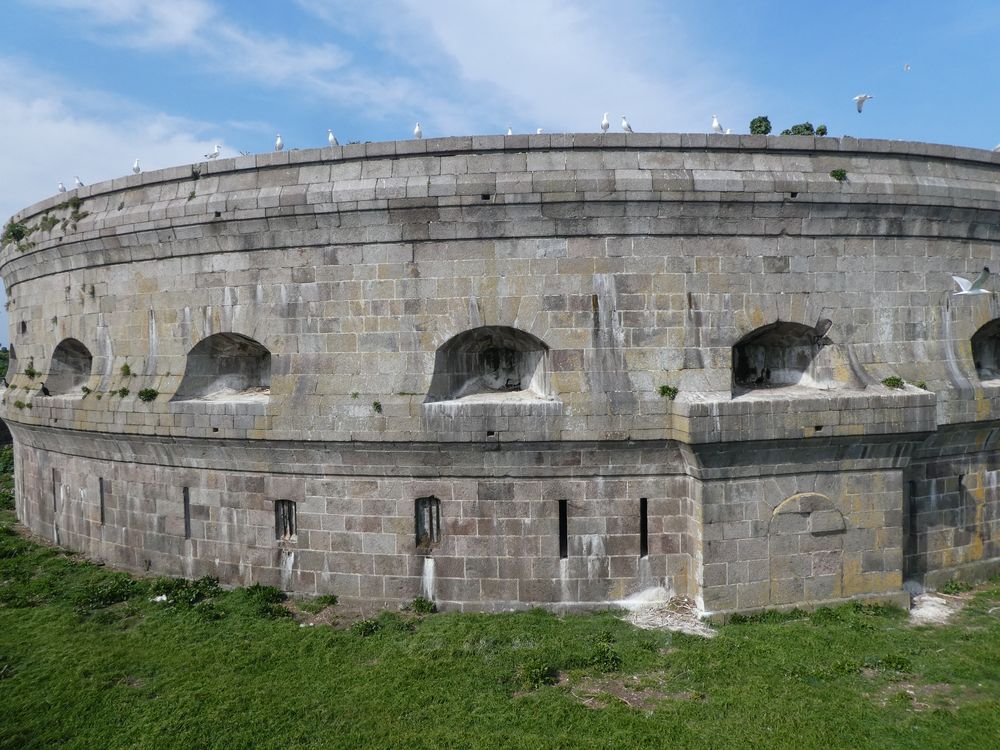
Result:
[[679, 615], [643, 692], [936, 609], [918, 696]]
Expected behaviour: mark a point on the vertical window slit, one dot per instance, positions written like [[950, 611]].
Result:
[[284, 519], [100, 497], [55, 489], [187, 513], [427, 521], [563, 529], [643, 527]]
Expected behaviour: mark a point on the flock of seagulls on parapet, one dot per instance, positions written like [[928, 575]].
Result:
[[418, 133]]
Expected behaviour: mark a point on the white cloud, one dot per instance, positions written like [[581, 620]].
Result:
[[54, 130]]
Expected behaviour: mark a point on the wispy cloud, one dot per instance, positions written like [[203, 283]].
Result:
[[59, 131]]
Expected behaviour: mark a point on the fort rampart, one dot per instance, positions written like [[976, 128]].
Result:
[[445, 368]]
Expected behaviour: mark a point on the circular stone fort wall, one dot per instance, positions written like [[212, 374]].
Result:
[[514, 371]]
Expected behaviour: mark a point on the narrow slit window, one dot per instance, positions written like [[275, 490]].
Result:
[[284, 519], [962, 519], [427, 521], [563, 529], [643, 527], [100, 496], [187, 513], [56, 481]]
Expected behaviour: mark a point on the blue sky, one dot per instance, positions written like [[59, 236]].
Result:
[[87, 86]]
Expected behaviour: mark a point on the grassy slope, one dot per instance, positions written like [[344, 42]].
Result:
[[88, 661]]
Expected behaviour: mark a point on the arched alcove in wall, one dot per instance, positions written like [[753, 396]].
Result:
[[490, 361], [69, 368], [805, 549], [986, 351], [226, 366], [780, 353]]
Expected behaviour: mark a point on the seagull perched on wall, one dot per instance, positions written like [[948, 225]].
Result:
[[62, 188], [136, 168], [418, 132], [214, 154], [716, 127], [605, 123], [973, 287], [278, 143], [331, 138], [860, 100], [79, 182], [538, 132], [625, 126], [510, 131]]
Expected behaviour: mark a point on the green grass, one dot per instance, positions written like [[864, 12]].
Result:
[[87, 660]]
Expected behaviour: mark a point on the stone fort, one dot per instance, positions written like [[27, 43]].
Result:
[[502, 372]]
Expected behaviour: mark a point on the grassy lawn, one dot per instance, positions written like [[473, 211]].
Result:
[[87, 660]]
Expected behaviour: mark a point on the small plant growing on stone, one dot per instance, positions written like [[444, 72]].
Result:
[[86, 390], [354, 394], [126, 370], [955, 586], [668, 391], [423, 606], [803, 128], [148, 394], [191, 195], [377, 406], [760, 125], [921, 384], [893, 382], [19, 404], [123, 392], [838, 174], [30, 370]]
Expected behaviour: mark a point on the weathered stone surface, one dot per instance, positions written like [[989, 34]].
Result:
[[606, 267]]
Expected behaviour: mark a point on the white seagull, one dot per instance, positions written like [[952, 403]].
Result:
[[605, 123], [997, 147], [860, 100], [79, 182], [214, 154], [509, 130], [625, 126], [136, 168], [973, 287], [62, 188], [906, 67], [331, 138], [417, 132], [278, 143], [729, 131], [716, 127], [538, 132]]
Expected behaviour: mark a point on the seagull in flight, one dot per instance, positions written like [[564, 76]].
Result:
[[331, 138], [79, 182], [418, 132], [973, 287], [605, 123], [625, 126], [906, 67], [860, 100], [278, 143], [716, 127], [214, 154], [62, 188], [136, 168]]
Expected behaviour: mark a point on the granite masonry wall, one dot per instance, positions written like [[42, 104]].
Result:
[[483, 329]]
